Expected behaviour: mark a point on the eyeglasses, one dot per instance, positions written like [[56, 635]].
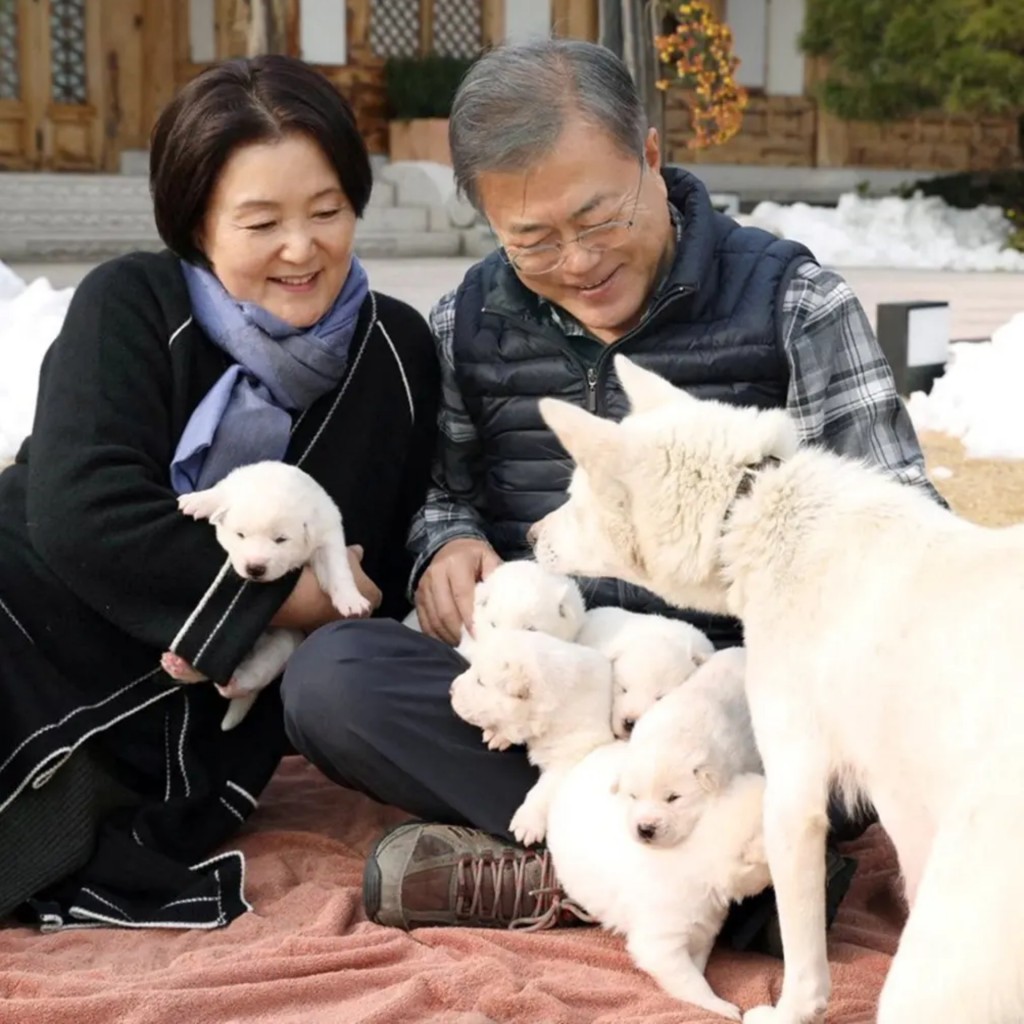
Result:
[[543, 259]]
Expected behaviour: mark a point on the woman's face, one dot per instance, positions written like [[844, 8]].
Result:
[[279, 229]]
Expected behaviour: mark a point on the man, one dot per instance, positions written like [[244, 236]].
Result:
[[602, 251]]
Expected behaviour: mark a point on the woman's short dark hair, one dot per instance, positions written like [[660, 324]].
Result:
[[235, 103]]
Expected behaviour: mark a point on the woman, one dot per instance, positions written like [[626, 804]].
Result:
[[253, 336]]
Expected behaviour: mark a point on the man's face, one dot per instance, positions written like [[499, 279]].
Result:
[[586, 182]]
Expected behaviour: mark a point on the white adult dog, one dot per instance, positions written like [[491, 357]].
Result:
[[884, 653], [669, 903], [651, 655], [686, 747], [272, 518]]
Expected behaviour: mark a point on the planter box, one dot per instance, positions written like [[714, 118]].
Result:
[[419, 139]]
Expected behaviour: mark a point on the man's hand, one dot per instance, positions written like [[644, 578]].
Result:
[[444, 596]]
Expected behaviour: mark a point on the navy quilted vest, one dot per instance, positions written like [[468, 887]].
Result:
[[714, 331]]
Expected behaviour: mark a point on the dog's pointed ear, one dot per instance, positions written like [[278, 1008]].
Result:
[[645, 390], [706, 778], [589, 439], [218, 514], [515, 680]]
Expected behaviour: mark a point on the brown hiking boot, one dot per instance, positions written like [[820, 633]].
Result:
[[421, 874]]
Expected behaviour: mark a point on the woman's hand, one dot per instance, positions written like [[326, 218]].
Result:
[[308, 607]]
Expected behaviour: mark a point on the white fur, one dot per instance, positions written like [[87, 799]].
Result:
[[651, 655], [272, 518], [687, 748], [522, 595], [534, 689], [670, 903], [884, 653]]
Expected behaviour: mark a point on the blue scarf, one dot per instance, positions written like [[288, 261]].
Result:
[[278, 370]]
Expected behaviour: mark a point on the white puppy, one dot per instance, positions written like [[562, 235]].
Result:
[[522, 595], [555, 697], [688, 747], [272, 518], [884, 653], [651, 655], [534, 689]]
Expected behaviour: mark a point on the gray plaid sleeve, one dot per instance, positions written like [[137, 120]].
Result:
[[841, 391], [453, 504]]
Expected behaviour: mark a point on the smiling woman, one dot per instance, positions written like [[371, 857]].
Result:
[[255, 336]]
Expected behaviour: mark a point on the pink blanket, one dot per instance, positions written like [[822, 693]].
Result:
[[307, 955]]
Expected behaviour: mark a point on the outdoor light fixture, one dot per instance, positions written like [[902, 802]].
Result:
[[915, 339]]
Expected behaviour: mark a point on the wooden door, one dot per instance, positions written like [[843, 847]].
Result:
[[50, 85]]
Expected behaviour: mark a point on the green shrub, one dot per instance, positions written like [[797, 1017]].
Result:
[[422, 86], [980, 188], [889, 59]]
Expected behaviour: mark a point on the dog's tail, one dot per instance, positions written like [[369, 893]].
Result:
[[961, 957]]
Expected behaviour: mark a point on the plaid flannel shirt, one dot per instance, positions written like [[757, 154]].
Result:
[[841, 395]]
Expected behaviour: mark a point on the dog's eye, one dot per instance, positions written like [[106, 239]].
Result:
[[619, 688], [671, 798], [531, 629], [280, 540], [239, 535]]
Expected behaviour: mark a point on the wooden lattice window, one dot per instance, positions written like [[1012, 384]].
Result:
[[10, 76], [67, 51], [406, 28], [395, 27], [457, 28]]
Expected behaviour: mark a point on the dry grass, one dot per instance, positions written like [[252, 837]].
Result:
[[986, 491]]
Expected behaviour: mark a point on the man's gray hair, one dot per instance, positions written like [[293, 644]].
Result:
[[513, 105]]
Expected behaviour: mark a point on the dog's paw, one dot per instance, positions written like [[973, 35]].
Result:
[[193, 504], [350, 603], [495, 741], [179, 669], [237, 710], [529, 824], [724, 1009]]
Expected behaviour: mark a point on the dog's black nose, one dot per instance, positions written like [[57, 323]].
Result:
[[646, 832], [256, 572], [627, 725]]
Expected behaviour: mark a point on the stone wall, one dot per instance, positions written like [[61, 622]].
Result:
[[792, 131], [777, 130]]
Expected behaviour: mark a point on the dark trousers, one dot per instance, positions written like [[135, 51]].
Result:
[[367, 702]]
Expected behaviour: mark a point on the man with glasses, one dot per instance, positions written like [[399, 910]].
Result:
[[601, 250]]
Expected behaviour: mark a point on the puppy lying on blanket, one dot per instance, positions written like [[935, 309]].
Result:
[[651, 655], [272, 518], [884, 653], [686, 747], [670, 903]]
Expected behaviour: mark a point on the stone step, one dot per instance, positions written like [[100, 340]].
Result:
[[106, 192], [84, 245]]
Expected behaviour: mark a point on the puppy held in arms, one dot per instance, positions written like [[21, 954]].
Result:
[[272, 518], [555, 697], [884, 653]]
